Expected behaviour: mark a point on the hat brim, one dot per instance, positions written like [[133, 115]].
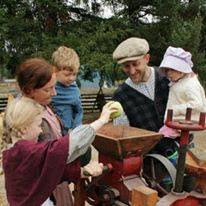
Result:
[[127, 59], [176, 64]]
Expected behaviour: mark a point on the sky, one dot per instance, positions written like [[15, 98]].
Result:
[[107, 12]]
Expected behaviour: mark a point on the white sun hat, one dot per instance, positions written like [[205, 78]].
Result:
[[177, 59]]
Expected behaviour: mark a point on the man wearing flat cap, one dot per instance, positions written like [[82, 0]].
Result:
[[144, 94]]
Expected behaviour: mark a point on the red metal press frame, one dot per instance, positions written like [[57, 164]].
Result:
[[121, 170], [185, 126]]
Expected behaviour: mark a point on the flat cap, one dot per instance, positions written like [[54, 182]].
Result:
[[131, 49]]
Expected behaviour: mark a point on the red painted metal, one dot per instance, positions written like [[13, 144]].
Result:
[[184, 140], [121, 170], [187, 124], [127, 166], [189, 201], [131, 165]]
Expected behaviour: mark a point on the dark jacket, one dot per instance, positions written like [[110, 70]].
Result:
[[141, 111]]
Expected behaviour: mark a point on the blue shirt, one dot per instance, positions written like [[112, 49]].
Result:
[[67, 105]]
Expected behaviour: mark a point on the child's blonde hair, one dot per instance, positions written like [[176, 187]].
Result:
[[65, 58], [19, 115]]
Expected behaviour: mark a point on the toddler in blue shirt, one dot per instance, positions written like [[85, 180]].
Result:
[[67, 102]]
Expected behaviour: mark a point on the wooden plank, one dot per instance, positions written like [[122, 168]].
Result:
[[118, 140], [195, 159], [199, 155], [201, 185], [144, 196], [193, 168], [88, 102], [3, 103]]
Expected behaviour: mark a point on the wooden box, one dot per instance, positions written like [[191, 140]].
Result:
[[121, 141]]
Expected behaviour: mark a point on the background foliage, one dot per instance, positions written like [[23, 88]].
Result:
[[38, 27]]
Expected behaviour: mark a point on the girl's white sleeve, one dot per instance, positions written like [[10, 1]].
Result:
[[79, 141], [193, 99]]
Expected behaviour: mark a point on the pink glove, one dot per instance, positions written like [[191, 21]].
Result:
[[169, 132]]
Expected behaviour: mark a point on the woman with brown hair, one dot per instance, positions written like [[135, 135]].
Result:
[[36, 79]]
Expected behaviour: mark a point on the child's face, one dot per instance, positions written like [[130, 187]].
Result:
[[173, 75], [32, 132], [66, 77]]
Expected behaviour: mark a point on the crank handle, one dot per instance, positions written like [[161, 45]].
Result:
[[106, 169]]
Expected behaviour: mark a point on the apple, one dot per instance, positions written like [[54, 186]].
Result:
[[119, 111]]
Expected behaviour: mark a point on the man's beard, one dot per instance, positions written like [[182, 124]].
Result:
[[140, 77]]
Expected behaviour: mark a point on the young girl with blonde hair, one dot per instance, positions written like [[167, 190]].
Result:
[[33, 169], [185, 88]]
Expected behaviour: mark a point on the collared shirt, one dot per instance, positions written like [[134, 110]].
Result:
[[53, 122], [146, 88]]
